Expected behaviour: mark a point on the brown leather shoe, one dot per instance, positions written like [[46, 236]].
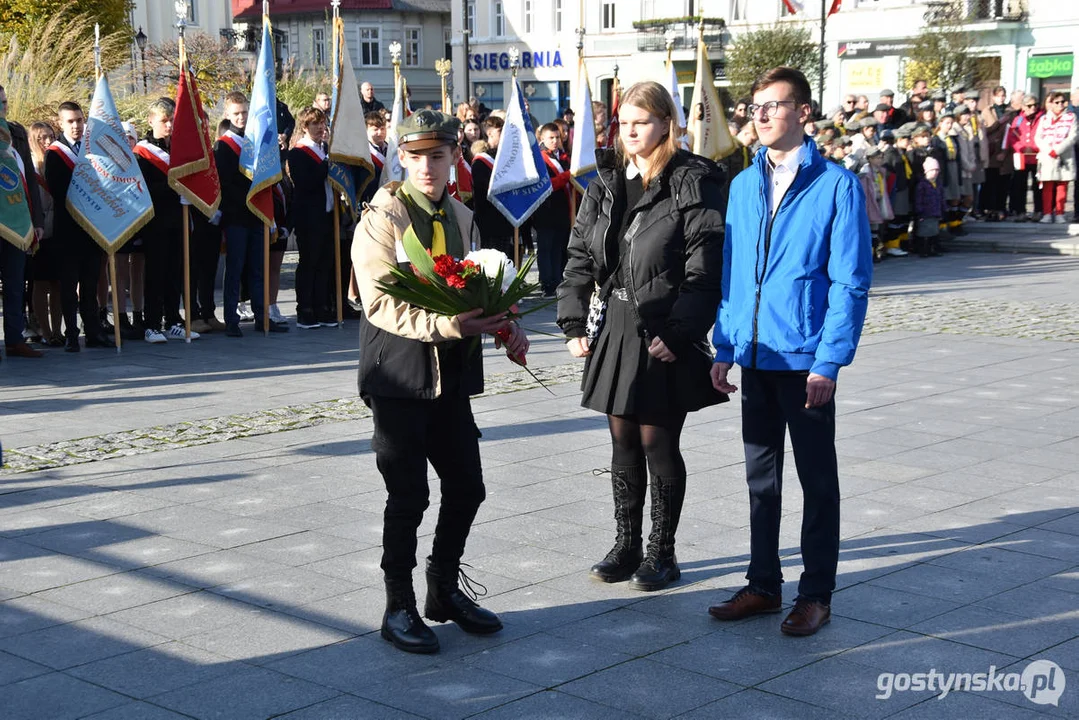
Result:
[[22, 350], [216, 325], [807, 617], [746, 603]]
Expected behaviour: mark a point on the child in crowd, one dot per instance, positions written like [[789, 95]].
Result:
[[874, 180], [929, 208]]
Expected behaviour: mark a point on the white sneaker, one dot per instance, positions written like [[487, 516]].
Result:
[[177, 331], [244, 311], [896, 252], [1046, 219], [275, 315], [1060, 220], [154, 336]]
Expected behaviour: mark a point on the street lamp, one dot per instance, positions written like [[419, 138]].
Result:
[[140, 40]]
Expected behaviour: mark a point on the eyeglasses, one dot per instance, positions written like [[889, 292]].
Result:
[[848, 102], [1031, 105], [768, 109], [1056, 102]]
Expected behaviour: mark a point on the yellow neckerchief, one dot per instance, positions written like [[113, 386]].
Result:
[[745, 157], [906, 165], [933, 182], [973, 124], [951, 146], [878, 177]]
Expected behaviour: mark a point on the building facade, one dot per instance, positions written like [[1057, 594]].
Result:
[[1025, 44], [545, 33], [157, 18], [303, 37]]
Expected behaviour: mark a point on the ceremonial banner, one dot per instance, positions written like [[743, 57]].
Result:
[[709, 135], [392, 169], [582, 164], [519, 179], [15, 224], [676, 95], [108, 196], [192, 170], [260, 155], [351, 167], [612, 120]]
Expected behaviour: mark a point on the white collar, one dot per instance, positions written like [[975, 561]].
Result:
[[632, 170], [790, 164], [312, 146]]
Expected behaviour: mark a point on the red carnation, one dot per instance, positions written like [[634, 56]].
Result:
[[456, 281], [446, 265]]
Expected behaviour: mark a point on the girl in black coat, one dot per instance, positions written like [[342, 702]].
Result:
[[649, 236], [312, 219]]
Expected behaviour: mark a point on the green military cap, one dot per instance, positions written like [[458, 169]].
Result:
[[901, 132], [868, 122], [425, 129], [843, 141], [873, 152], [852, 125], [921, 129], [938, 95], [908, 127], [825, 125]]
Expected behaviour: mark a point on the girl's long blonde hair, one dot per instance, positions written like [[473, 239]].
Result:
[[653, 98]]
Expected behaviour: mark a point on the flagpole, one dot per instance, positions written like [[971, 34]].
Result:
[[337, 258], [180, 25], [266, 234], [580, 76], [820, 83], [111, 253], [514, 54]]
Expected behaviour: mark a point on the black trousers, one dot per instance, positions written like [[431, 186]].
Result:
[[315, 283], [205, 245], [551, 255], [79, 273], [164, 278], [1021, 182], [994, 195], [773, 402], [407, 434]]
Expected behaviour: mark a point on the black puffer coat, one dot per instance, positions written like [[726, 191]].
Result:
[[674, 270]]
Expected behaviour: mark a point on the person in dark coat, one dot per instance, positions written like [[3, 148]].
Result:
[[551, 221], [649, 235], [368, 100], [312, 219], [80, 255]]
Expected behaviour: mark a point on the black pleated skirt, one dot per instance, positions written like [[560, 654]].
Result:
[[621, 378]]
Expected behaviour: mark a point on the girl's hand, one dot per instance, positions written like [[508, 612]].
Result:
[[578, 347]]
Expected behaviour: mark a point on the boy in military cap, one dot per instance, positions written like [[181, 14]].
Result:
[[898, 163], [417, 371]]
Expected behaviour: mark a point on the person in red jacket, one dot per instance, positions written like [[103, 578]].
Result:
[[551, 221], [1021, 144]]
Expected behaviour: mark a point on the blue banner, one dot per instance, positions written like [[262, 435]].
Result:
[[519, 179], [260, 155], [108, 196]]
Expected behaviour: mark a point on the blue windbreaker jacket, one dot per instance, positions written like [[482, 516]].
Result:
[[795, 296]]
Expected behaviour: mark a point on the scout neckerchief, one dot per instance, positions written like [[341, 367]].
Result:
[[951, 146], [434, 225]]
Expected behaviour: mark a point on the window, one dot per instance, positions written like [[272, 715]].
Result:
[[192, 18], [280, 41], [498, 20], [528, 16], [738, 10], [370, 47], [447, 40], [608, 16], [318, 47], [558, 16], [413, 47], [471, 17]]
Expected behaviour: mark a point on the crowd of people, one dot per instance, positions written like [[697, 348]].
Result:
[[986, 158], [926, 166]]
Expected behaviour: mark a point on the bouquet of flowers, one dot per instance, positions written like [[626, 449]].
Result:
[[444, 285]]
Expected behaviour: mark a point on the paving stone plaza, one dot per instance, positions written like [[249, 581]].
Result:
[[194, 531]]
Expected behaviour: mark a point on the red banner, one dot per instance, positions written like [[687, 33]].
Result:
[[192, 171]]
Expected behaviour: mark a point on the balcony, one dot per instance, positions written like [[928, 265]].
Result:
[[653, 35], [959, 11]]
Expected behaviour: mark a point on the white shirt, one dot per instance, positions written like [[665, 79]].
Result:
[[780, 178]]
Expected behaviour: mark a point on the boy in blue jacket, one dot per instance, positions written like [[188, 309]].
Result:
[[796, 273]]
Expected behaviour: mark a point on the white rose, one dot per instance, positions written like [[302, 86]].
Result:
[[490, 261]]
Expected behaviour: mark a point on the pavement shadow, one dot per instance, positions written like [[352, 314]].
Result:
[[345, 659], [958, 270]]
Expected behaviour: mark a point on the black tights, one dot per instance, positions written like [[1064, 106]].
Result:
[[655, 438]]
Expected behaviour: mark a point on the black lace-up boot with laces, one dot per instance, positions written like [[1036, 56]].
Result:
[[660, 566], [401, 623], [629, 483], [449, 601]]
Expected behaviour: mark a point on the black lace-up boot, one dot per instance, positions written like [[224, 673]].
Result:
[[660, 567], [449, 601], [628, 483], [401, 623]]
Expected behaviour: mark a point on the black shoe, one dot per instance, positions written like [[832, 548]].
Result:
[[277, 327], [233, 331], [72, 344], [656, 572], [103, 320], [401, 623], [99, 339], [628, 483], [129, 331], [660, 568], [447, 602]]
